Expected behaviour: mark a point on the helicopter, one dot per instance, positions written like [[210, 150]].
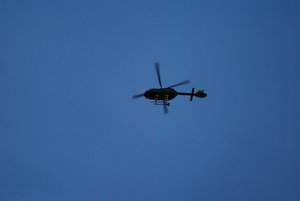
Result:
[[161, 96]]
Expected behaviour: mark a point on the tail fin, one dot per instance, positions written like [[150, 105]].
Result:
[[200, 94]]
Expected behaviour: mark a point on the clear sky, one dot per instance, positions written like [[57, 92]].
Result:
[[70, 131]]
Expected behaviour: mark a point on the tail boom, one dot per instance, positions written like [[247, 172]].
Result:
[[199, 94]]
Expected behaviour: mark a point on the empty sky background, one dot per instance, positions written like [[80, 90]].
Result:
[[70, 131]]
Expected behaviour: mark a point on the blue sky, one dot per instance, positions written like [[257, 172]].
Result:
[[69, 130]]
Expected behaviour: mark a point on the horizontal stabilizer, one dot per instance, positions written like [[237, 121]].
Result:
[[192, 94]]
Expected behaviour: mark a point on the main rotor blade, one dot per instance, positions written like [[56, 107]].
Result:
[[158, 74], [165, 109], [180, 83], [137, 96]]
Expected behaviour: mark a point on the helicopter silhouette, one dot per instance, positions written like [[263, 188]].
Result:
[[161, 96]]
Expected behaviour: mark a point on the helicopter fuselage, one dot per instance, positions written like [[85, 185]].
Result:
[[160, 94]]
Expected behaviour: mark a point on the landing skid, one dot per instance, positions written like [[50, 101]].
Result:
[[160, 102]]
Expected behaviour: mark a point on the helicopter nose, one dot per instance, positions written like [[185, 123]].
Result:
[[147, 93]]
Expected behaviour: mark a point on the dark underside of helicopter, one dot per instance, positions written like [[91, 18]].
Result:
[[160, 94]]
